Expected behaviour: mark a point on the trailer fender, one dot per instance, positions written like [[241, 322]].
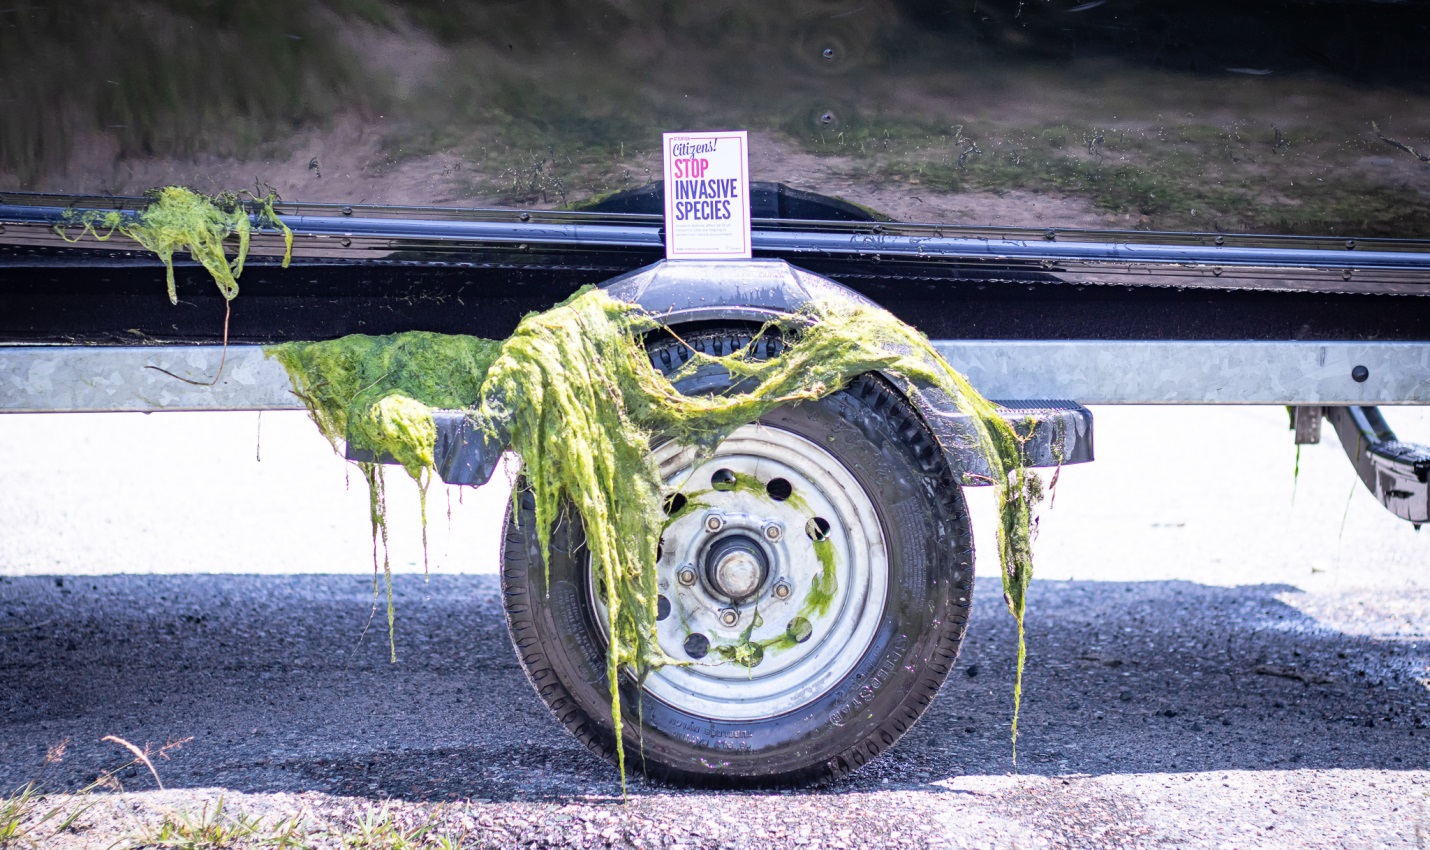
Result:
[[681, 293], [685, 292]]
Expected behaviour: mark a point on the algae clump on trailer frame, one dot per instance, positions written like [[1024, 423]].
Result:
[[182, 220], [574, 391]]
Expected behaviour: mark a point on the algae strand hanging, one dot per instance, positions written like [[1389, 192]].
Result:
[[180, 220], [177, 220]]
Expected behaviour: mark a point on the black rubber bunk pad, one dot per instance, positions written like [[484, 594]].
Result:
[[112, 302]]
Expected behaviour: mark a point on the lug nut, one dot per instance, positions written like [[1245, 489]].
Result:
[[773, 532], [729, 616], [686, 575], [714, 522], [782, 590]]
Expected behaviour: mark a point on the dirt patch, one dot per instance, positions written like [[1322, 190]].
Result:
[[347, 163], [777, 159]]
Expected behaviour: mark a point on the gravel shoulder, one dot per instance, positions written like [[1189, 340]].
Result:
[[1211, 665]]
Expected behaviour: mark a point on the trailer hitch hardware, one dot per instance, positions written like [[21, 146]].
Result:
[[1397, 473]]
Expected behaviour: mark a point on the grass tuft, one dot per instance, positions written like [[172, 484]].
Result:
[[208, 830]]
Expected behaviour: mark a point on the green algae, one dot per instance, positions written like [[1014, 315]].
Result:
[[581, 402], [824, 585], [182, 220], [752, 485], [745, 652], [687, 507], [749, 653], [1016, 500], [377, 393]]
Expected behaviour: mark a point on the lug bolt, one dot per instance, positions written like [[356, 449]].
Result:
[[729, 616], [782, 590], [773, 532], [714, 522], [686, 575]]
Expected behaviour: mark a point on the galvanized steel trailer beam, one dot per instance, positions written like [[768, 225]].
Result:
[[1197, 372], [120, 378], [126, 378]]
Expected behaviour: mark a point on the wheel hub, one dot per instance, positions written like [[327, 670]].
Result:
[[772, 575], [736, 567]]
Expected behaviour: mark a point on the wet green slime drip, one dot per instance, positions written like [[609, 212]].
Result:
[[377, 393], [580, 401], [822, 589]]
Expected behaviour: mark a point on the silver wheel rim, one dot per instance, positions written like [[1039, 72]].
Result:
[[765, 662]]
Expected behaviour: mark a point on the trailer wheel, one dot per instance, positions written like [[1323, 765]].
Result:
[[816, 571]]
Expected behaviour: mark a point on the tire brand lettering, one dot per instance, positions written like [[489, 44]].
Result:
[[887, 665], [909, 516], [566, 599], [706, 732]]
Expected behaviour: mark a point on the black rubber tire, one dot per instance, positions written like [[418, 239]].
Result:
[[882, 440]]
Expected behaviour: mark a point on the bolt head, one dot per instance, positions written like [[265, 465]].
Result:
[[782, 590], [686, 576], [773, 532], [729, 616], [714, 523]]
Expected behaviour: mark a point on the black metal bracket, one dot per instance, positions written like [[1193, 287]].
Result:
[[467, 450], [1396, 472], [1053, 433]]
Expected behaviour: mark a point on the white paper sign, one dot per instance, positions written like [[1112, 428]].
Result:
[[707, 195]]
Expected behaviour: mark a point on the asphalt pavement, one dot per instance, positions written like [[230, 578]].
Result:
[[1222, 653]]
